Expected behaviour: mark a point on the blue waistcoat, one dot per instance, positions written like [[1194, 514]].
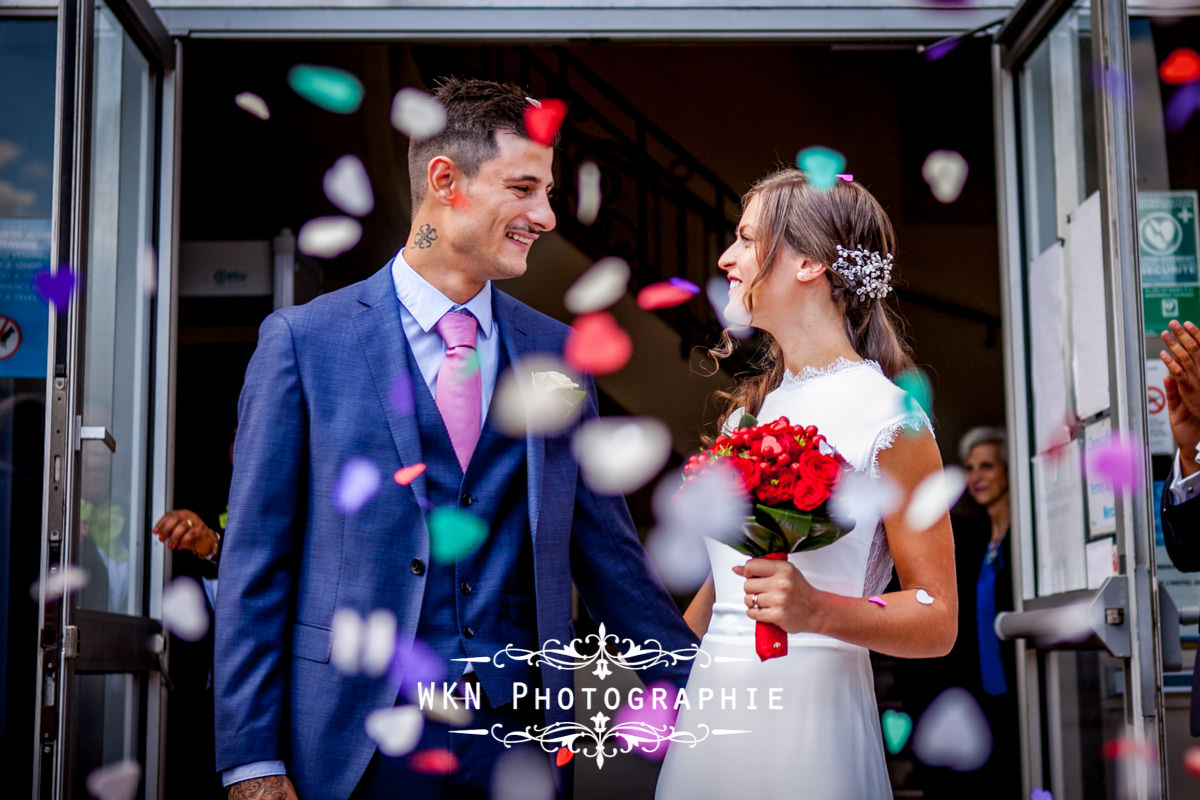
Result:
[[484, 601]]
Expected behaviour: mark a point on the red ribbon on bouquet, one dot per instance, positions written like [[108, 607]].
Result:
[[770, 640]]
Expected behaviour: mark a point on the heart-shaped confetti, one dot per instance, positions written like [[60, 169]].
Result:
[[821, 166], [417, 114], [358, 482], [185, 609], [897, 727], [1180, 67], [454, 533], [664, 295], [946, 173], [563, 756], [537, 396], [327, 87], [415, 666], [1191, 762], [253, 104], [396, 730], [116, 781], [924, 598], [543, 119], [60, 582], [55, 288], [1119, 461], [1181, 107], [406, 475], [597, 344], [438, 761], [347, 186], [328, 237], [619, 455], [953, 732], [587, 208], [934, 497], [379, 642], [599, 287]]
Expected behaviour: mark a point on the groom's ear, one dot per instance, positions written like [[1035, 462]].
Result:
[[445, 180], [808, 270]]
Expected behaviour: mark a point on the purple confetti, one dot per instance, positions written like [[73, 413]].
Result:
[[419, 665], [940, 48], [1119, 461], [847, 177], [1181, 106], [55, 287], [1112, 81], [401, 395], [659, 717], [1041, 794], [357, 484], [877, 600], [686, 285]]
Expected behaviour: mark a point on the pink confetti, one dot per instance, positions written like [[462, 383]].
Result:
[[1191, 762], [438, 761], [847, 177], [665, 295], [543, 120], [658, 716], [406, 475], [1126, 747], [1119, 461], [877, 600], [597, 344]]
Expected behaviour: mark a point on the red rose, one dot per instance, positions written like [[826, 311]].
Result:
[[751, 472], [808, 494], [819, 468], [777, 490]]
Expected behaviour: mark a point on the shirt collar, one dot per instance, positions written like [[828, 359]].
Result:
[[427, 304]]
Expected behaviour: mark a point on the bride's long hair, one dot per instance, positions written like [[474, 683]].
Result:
[[794, 215]]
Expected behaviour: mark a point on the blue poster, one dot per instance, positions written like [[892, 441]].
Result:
[[24, 315]]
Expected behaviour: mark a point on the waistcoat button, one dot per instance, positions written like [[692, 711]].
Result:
[[467, 632], [418, 566], [465, 587], [467, 499]]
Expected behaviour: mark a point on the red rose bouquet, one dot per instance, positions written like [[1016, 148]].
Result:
[[789, 473]]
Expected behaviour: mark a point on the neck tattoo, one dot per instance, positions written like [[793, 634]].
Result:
[[426, 236]]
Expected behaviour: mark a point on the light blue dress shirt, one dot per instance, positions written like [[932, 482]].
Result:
[[421, 306]]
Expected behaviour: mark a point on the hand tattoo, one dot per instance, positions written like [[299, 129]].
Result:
[[272, 787], [426, 236]]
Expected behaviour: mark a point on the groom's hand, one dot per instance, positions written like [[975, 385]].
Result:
[[272, 787], [776, 592]]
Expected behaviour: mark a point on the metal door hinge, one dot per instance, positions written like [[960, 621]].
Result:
[[70, 641], [93, 433]]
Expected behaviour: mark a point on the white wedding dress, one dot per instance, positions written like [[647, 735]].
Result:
[[822, 740]]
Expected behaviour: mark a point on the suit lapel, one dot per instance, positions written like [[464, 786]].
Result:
[[385, 346], [517, 340]]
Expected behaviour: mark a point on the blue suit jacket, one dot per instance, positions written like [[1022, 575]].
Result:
[[316, 393], [1181, 535]]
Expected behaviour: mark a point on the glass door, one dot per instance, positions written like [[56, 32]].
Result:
[[100, 694], [1087, 619]]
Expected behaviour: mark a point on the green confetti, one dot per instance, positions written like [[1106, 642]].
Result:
[[897, 727], [918, 394], [454, 533], [821, 166], [332, 89]]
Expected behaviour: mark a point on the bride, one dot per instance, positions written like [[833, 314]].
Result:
[[811, 268]]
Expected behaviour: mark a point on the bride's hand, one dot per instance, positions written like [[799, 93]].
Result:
[[784, 597]]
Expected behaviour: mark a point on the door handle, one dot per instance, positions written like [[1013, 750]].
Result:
[[1074, 621], [93, 433]]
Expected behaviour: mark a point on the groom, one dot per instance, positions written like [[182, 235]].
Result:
[[326, 385]]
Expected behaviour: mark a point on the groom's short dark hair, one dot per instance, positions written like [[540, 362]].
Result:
[[476, 110]]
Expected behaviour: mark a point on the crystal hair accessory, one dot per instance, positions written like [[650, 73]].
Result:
[[868, 272]]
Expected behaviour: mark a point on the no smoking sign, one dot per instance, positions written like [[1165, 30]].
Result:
[[10, 337]]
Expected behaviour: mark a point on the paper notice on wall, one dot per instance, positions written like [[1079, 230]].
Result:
[[1162, 441], [1089, 314], [1101, 561], [1061, 531], [1102, 500], [1047, 349]]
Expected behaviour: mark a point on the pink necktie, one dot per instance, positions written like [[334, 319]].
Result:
[[458, 386]]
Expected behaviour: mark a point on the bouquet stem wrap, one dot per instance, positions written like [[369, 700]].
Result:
[[770, 640]]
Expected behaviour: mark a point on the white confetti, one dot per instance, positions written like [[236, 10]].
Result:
[[328, 237], [185, 609], [348, 634], [953, 732], [358, 483], [924, 597], [522, 775], [253, 104], [709, 504], [417, 114], [116, 781], [149, 271], [859, 496], [396, 730], [730, 311], [539, 395], [599, 287], [588, 207], [379, 642], [60, 582], [619, 455], [680, 558], [348, 187], [946, 173], [933, 498]]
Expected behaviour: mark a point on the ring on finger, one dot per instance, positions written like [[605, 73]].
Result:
[[755, 599]]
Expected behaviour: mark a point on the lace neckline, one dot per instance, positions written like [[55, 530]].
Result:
[[841, 364]]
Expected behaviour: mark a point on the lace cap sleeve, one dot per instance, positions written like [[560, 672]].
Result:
[[914, 421]]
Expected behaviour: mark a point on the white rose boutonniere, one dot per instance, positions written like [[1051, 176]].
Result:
[[533, 397]]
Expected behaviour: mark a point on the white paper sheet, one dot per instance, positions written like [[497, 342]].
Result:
[[1061, 520], [1162, 441], [1048, 347], [1101, 555], [1089, 317], [1102, 501]]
